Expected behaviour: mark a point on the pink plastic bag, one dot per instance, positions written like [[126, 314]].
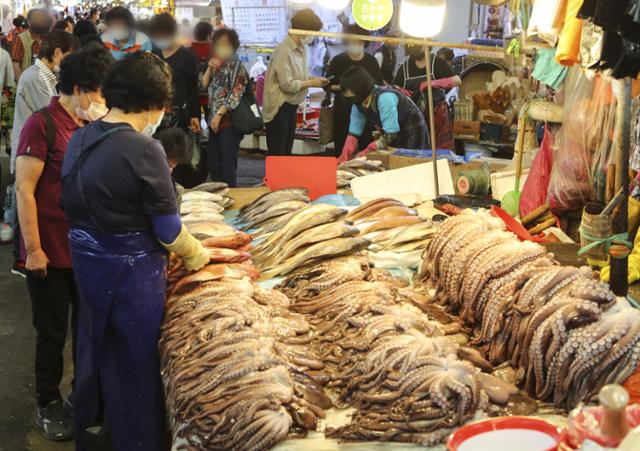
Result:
[[534, 192]]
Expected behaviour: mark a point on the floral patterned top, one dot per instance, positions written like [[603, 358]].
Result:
[[224, 90]]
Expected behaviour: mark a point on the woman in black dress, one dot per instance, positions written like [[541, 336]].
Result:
[[354, 55]]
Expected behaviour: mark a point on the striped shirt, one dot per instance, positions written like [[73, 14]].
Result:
[[137, 42]]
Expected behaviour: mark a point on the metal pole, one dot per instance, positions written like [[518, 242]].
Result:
[[432, 122], [619, 266]]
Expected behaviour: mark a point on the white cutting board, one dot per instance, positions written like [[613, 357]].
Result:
[[411, 185]]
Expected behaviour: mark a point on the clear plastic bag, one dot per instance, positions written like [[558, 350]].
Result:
[[583, 144]]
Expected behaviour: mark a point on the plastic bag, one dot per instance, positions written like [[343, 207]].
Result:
[[534, 192], [583, 144]]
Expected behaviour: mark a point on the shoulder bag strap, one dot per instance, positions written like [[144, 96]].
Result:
[[234, 78], [49, 132]]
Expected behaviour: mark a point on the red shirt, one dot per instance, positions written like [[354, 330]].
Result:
[[52, 223], [203, 51]]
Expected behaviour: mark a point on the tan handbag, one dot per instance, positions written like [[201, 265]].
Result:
[[326, 122]]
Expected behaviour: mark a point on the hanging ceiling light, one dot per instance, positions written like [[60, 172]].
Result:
[[334, 4], [422, 18]]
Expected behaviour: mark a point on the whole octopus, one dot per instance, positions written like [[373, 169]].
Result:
[[565, 333], [410, 377], [235, 360]]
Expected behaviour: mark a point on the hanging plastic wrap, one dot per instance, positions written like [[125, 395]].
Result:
[[583, 143], [534, 192]]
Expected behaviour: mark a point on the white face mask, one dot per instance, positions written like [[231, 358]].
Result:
[[120, 33], [163, 44], [307, 40], [93, 113], [150, 129], [355, 50]]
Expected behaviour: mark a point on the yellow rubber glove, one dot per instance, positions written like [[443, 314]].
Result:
[[194, 255], [634, 216], [633, 274]]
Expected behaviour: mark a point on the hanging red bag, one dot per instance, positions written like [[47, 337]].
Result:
[[534, 192]]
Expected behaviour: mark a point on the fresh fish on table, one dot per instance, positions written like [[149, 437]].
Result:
[[218, 271], [236, 241], [362, 164], [317, 234], [371, 207], [202, 195], [416, 232], [266, 230], [302, 220], [275, 211], [391, 223], [336, 247], [204, 216], [220, 188], [271, 199], [198, 206], [207, 229], [388, 212]]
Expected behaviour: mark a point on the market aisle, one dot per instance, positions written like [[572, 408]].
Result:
[[17, 341]]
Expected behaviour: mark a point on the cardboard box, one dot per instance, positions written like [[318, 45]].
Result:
[[466, 129]]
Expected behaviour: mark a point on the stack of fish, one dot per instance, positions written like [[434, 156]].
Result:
[[235, 363], [272, 210], [310, 235], [204, 202], [398, 235], [357, 167]]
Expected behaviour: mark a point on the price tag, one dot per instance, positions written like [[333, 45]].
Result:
[[372, 14]]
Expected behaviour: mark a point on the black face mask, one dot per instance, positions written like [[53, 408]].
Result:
[[39, 28]]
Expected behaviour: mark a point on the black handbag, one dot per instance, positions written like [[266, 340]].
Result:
[[246, 118]]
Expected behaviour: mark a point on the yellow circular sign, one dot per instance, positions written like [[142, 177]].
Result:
[[372, 14]]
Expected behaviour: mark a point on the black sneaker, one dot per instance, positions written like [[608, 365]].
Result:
[[54, 422], [18, 269]]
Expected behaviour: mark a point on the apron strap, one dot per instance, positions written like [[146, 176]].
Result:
[[76, 169]]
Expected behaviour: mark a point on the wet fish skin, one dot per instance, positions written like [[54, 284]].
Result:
[[317, 234], [210, 228], [199, 205], [389, 212], [277, 210], [267, 230], [371, 207], [391, 223], [248, 216], [202, 196], [211, 187], [415, 232], [326, 249], [202, 216], [274, 197]]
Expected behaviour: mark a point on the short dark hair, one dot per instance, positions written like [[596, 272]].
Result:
[[358, 81], [61, 25], [83, 28], [230, 33], [176, 144], [93, 11], [57, 39], [163, 24], [203, 31], [85, 69], [306, 19], [33, 11], [138, 82], [445, 53], [353, 28], [70, 19], [18, 21], [120, 13]]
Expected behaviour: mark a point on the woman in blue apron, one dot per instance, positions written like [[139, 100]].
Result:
[[398, 120], [120, 201]]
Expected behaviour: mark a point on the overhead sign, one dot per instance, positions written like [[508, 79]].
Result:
[[372, 14]]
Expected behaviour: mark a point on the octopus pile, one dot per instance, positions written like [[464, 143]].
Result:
[[398, 361], [235, 362], [565, 333]]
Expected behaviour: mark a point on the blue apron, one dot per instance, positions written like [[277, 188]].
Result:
[[122, 283]]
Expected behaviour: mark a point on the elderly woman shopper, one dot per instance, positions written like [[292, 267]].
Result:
[[226, 78], [120, 201], [52, 288]]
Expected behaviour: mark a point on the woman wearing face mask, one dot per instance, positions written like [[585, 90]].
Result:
[[44, 228], [120, 36], [226, 79], [185, 109], [398, 120], [412, 76], [120, 201], [354, 56], [287, 82]]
